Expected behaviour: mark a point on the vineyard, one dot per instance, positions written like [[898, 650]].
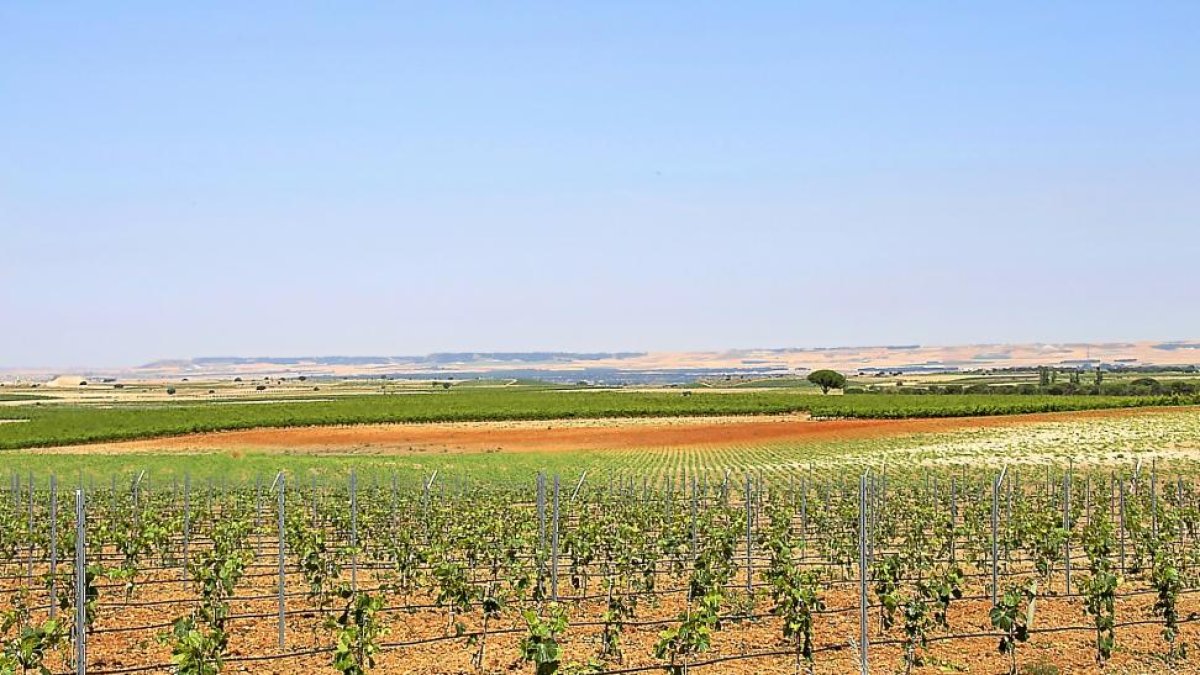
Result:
[[1031, 569], [600, 338]]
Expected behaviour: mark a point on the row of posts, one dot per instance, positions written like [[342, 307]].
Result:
[[867, 488]]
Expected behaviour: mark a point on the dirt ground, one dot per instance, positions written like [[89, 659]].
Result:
[[573, 434], [417, 647]]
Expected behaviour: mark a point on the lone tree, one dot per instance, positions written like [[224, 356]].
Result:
[[827, 379]]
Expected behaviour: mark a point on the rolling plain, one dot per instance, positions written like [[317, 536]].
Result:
[[511, 526]]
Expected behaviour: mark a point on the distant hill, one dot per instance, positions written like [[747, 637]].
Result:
[[668, 366], [905, 358]]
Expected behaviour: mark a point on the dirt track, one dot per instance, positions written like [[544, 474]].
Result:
[[572, 434]]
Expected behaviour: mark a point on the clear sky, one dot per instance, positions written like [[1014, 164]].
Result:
[[288, 178]]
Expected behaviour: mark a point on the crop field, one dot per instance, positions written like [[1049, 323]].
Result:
[[1063, 546], [47, 424], [4, 397], [1105, 439]]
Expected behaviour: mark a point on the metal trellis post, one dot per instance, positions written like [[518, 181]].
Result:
[[863, 606], [53, 545], [353, 530], [554, 547], [80, 584], [282, 485]]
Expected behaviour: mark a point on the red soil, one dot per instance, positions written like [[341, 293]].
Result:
[[579, 434]]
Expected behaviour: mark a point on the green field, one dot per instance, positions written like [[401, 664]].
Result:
[[64, 424], [24, 397]]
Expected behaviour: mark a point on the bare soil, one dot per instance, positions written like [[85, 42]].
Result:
[[1140, 647]]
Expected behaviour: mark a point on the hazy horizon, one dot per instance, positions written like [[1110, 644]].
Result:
[[1184, 347], [294, 179]]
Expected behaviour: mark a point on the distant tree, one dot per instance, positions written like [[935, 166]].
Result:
[[827, 379], [1099, 376], [1146, 385], [1115, 389], [303, 378], [237, 379], [83, 383], [1180, 387], [261, 387], [170, 391]]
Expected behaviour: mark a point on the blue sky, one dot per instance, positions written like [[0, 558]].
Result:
[[185, 179]]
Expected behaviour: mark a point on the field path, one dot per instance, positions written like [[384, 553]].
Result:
[[541, 436]]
